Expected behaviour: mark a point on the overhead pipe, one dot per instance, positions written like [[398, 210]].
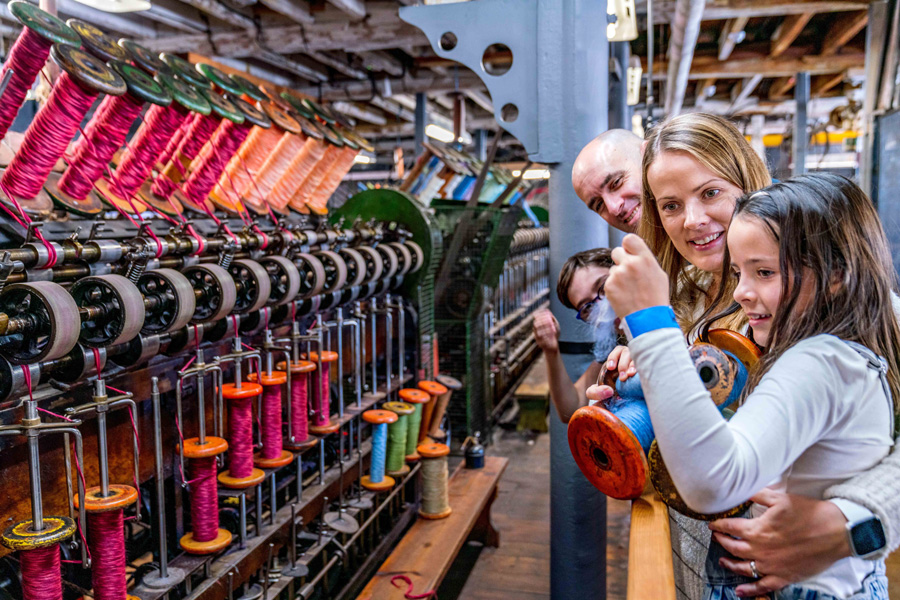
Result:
[[685, 29]]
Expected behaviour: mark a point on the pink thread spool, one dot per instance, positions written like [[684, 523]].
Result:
[[271, 454], [241, 473], [301, 373], [321, 397], [206, 537]]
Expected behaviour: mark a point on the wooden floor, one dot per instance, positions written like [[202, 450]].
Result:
[[520, 567]]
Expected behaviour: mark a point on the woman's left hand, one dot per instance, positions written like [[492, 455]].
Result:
[[636, 281]]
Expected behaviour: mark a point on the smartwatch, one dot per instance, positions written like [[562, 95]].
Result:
[[866, 536]]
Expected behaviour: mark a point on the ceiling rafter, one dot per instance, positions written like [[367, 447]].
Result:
[[787, 32], [732, 32], [843, 30]]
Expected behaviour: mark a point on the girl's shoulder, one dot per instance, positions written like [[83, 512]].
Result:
[[823, 358]]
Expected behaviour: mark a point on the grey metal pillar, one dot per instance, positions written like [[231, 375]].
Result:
[[619, 111], [481, 143], [421, 118], [800, 142], [554, 99]]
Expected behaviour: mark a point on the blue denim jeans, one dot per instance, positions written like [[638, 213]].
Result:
[[874, 587]]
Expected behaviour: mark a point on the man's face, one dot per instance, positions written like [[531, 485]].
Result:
[[607, 178]]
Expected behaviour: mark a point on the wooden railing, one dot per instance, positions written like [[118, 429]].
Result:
[[650, 572]]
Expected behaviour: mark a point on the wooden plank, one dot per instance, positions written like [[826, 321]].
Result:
[[843, 30], [823, 83], [709, 66], [426, 552], [536, 383], [731, 32], [787, 32], [781, 86], [651, 575]]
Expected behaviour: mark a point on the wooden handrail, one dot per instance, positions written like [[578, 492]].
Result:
[[651, 575]]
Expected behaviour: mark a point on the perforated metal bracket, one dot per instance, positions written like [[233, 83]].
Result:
[[531, 89]]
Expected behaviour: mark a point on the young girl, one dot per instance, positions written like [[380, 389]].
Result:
[[813, 276]]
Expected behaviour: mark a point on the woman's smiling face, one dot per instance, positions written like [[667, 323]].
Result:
[[695, 207]]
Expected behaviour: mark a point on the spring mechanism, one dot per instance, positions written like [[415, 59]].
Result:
[[135, 270], [225, 260]]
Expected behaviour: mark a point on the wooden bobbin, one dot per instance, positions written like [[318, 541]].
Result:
[[401, 409], [270, 379], [435, 390], [415, 397], [257, 476], [120, 496], [21, 536], [214, 446], [434, 451], [301, 368], [607, 452], [435, 432], [665, 487], [378, 417], [746, 351], [327, 357], [192, 449]]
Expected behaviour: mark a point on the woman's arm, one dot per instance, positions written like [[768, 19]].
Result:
[[717, 464]]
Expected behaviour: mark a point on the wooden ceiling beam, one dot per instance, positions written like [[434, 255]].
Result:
[[292, 9], [787, 32], [742, 90], [732, 32], [708, 66], [352, 37], [355, 8], [824, 83], [338, 65], [380, 60], [664, 10], [781, 86], [362, 90], [843, 30]]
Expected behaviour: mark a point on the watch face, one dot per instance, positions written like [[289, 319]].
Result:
[[867, 536]]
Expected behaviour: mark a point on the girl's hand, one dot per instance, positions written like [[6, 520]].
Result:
[[599, 393], [636, 281], [620, 360]]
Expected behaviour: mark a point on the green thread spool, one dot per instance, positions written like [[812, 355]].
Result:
[[435, 496], [417, 398], [397, 432]]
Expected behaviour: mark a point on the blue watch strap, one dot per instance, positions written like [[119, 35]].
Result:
[[650, 319]]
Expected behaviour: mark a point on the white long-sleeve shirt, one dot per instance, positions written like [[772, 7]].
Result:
[[817, 418]]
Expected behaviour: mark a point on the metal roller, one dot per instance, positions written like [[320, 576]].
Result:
[[252, 284], [41, 322], [215, 289], [111, 307], [335, 270], [356, 266], [405, 256], [390, 258], [312, 274], [374, 263], [284, 278], [417, 254], [169, 300]]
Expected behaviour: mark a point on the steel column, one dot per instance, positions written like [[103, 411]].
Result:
[[800, 142]]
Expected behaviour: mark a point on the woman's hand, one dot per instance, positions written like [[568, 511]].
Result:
[[636, 281], [797, 537], [546, 331]]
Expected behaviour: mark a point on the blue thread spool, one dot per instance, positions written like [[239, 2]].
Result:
[[376, 480], [610, 443]]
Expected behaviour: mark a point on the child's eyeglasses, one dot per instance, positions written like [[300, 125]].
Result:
[[584, 313]]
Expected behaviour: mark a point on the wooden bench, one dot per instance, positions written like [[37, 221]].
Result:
[[426, 552], [533, 396]]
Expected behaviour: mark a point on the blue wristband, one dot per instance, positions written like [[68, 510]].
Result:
[[650, 319]]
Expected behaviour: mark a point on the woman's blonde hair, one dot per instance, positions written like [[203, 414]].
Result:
[[716, 144]]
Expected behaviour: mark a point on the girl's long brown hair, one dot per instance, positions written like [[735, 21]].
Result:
[[827, 230], [716, 144]]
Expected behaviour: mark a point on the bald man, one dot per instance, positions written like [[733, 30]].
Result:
[[607, 178]]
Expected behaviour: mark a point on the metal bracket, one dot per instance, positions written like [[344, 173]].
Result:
[[531, 29]]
